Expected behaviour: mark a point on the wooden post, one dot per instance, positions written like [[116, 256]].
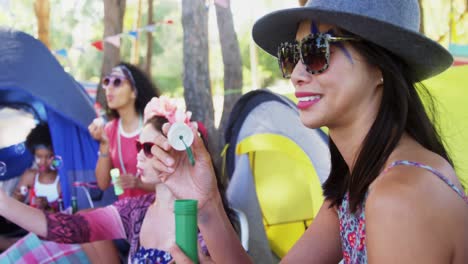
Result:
[[149, 48], [42, 10], [136, 42]]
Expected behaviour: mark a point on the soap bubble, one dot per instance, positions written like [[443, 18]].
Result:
[[56, 163], [3, 168], [20, 148]]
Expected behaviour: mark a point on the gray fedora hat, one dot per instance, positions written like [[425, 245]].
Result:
[[391, 24]]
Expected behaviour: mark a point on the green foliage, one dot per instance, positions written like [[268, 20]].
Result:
[[167, 56], [267, 65], [76, 24]]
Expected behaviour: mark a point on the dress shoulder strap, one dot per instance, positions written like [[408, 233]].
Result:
[[434, 171], [36, 178]]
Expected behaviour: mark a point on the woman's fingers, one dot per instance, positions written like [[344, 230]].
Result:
[[178, 255], [165, 128], [199, 148], [96, 131], [203, 259], [161, 141], [161, 167], [162, 156]]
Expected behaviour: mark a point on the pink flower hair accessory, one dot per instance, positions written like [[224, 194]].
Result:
[[167, 107], [180, 135]]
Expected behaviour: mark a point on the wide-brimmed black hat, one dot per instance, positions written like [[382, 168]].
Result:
[[391, 24]]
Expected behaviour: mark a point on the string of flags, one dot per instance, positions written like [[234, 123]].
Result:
[[221, 3], [114, 39]]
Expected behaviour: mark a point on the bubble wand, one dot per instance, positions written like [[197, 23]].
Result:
[[180, 136]]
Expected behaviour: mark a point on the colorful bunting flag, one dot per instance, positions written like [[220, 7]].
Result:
[[98, 45], [150, 28], [114, 40], [133, 33], [222, 3], [62, 52], [79, 48]]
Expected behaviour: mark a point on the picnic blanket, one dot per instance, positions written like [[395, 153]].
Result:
[[31, 250]]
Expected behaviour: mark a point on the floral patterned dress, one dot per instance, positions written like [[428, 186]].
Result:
[[353, 226]]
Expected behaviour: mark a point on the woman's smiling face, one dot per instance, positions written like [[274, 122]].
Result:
[[345, 92]]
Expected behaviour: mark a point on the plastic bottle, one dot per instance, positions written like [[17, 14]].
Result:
[[32, 198], [186, 227], [74, 204], [61, 205], [24, 190], [115, 174]]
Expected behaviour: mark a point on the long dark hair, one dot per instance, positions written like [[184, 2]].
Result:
[[157, 122], [401, 110], [145, 88]]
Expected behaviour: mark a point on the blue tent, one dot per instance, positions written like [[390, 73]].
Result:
[[31, 78]]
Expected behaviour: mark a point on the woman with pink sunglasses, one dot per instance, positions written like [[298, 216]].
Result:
[[128, 90], [147, 222]]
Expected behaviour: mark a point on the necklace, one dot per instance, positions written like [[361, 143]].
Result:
[[119, 144]]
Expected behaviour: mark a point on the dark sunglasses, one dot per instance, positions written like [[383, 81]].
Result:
[[115, 81], [146, 147], [313, 51]]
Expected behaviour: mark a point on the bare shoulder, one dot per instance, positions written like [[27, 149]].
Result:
[[394, 194], [28, 176], [416, 185], [405, 202]]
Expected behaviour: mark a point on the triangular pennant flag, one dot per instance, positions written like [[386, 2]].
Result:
[[150, 28], [114, 40], [222, 3], [79, 48], [207, 4], [62, 52], [133, 33], [98, 45]]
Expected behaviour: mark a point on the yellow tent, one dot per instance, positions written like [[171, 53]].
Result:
[[450, 90]]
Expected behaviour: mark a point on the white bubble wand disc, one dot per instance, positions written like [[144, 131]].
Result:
[[180, 137]]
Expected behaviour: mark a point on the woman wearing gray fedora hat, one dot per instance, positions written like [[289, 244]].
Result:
[[392, 195]]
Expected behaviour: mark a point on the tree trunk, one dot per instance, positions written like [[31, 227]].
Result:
[[232, 65], [136, 40], [421, 11], [197, 88], [114, 11], [42, 10], [149, 48], [302, 2]]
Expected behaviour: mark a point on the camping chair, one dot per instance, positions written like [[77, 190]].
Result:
[[244, 228], [275, 167], [290, 195]]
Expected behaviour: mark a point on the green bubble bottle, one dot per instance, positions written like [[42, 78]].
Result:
[[186, 227], [115, 174]]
